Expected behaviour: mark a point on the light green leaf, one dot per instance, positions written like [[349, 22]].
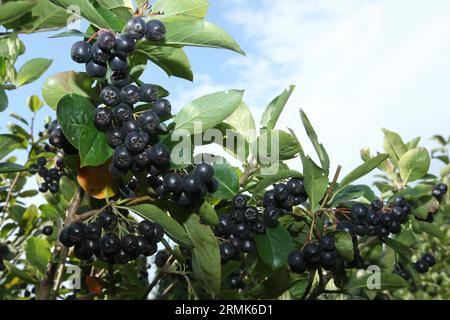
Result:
[[316, 181], [388, 281], [414, 164], [276, 145], [13, 10], [394, 145], [8, 143], [274, 109], [344, 245], [228, 181], [34, 103], [29, 218], [87, 11], [271, 179], [32, 70], [8, 167], [242, 121], [208, 215], [208, 111], [38, 253], [180, 9], [3, 100]]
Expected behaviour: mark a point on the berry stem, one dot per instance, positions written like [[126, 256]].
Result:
[[158, 277], [332, 186]]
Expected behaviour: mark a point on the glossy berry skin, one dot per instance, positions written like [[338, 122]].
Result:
[[271, 215], [259, 227], [158, 234], [142, 160], [212, 185], [47, 230], [162, 108], [191, 184], [297, 262], [108, 220], [399, 215], [251, 214], [121, 257], [359, 211], [161, 258], [376, 205], [145, 248], [81, 52], [148, 93], [295, 186], [281, 192], [160, 154], [129, 126], [129, 243], [386, 220], [41, 161], [361, 229], [99, 55], [239, 201], [129, 94], [106, 40], [120, 78], [123, 112], [53, 173], [76, 232], [110, 96], [399, 201], [117, 63], [248, 246], [125, 45], [327, 243], [122, 158], [242, 231], [311, 252], [146, 229], [136, 141], [346, 226], [53, 187], [110, 244], [182, 199], [269, 198], [136, 28], [149, 121], [237, 283], [372, 218], [328, 259], [429, 259], [115, 137], [204, 171], [103, 118], [93, 231], [95, 70], [225, 225], [421, 266], [395, 227], [227, 251], [173, 182], [156, 30], [64, 238]]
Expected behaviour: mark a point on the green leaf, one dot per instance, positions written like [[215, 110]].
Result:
[[275, 285], [32, 70], [208, 215], [320, 150], [274, 246], [8, 167], [242, 121], [22, 274], [388, 281], [3, 100], [344, 245], [398, 247], [65, 83], [394, 145], [228, 181], [19, 118], [38, 253], [276, 145], [199, 33], [208, 111], [414, 164], [180, 9], [171, 227], [115, 21], [29, 218], [431, 205], [67, 188], [87, 11], [420, 190], [363, 169], [351, 192], [13, 10], [316, 181], [94, 150], [205, 254], [429, 228], [274, 109], [413, 143], [71, 33], [8, 143], [46, 15], [34, 103], [271, 179], [172, 60]]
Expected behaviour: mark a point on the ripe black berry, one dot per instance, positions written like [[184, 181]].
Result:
[[225, 224], [146, 229], [182, 199], [81, 52], [162, 107], [53, 173], [47, 230], [33, 168], [86, 249], [129, 94], [346, 226], [311, 252], [76, 232], [115, 137], [269, 198], [129, 126], [136, 28], [191, 184], [239, 201], [99, 55], [110, 96], [386, 220], [248, 246], [373, 218], [120, 78], [118, 64], [421, 266], [122, 158], [121, 257], [93, 231], [41, 161], [106, 40], [173, 182], [399, 201], [236, 283], [110, 244], [271, 215], [156, 30], [64, 238], [361, 228], [241, 230], [328, 259], [395, 227], [129, 243], [251, 214], [212, 185], [204, 171], [53, 187], [149, 121], [259, 227], [327, 243], [142, 160], [145, 248], [107, 220], [161, 258], [160, 154], [125, 45], [376, 205], [123, 112], [43, 172], [95, 70], [429, 258], [226, 251], [148, 93], [297, 262], [158, 234], [295, 186], [359, 211], [281, 192], [135, 142], [103, 118]]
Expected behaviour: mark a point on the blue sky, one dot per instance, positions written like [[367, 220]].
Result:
[[359, 65]]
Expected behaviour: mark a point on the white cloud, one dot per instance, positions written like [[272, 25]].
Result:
[[358, 66]]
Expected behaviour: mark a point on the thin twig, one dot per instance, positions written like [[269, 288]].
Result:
[[332, 186], [158, 277], [311, 277]]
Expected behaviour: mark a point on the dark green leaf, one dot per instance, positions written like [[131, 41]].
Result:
[[14, 9], [429, 228], [29, 218], [399, 247], [274, 109], [274, 246], [271, 179], [208, 215], [22, 274], [3, 100], [276, 145], [8, 167], [8, 143], [274, 286]]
